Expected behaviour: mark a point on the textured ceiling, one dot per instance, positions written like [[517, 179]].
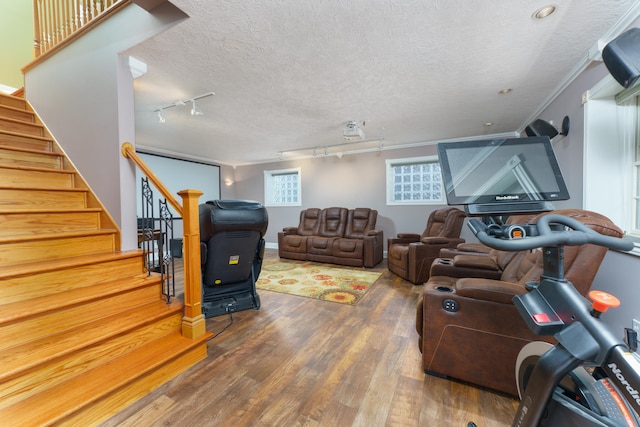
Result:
[[289, 74]]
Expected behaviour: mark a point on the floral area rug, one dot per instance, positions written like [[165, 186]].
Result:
[[316, 280]]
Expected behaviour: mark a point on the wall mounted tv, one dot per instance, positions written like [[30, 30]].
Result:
[[502, 176]]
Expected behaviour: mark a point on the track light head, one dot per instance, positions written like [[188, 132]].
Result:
[[195, 111]]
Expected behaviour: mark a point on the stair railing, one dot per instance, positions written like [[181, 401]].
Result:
[[193, 323], [155, 233], [59, 21]]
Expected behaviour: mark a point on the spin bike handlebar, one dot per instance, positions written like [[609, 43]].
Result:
[[543, 235], [554, 307]]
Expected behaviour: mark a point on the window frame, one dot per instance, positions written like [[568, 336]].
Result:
[[611, 118], [269, 192], [390, 164]]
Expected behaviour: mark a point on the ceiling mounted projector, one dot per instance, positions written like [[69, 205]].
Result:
[[352, 132]]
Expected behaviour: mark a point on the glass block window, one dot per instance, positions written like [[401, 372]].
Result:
[[282, 187], [414, 181]]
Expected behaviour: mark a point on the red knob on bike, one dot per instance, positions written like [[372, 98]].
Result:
[[603, 301]]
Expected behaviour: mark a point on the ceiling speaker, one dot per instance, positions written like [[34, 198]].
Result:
[[541, 128], [622, 57]]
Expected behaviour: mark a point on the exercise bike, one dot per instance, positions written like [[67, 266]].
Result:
[[590, 377]]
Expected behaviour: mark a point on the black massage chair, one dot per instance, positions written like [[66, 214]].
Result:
[[231, 251]]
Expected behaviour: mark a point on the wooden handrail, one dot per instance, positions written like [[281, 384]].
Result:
[[129, 152], [193, 322]]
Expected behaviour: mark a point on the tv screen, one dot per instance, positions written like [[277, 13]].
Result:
[[501, 176]]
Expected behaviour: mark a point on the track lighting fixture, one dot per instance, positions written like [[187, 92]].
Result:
[[195, 111], [363, 146]]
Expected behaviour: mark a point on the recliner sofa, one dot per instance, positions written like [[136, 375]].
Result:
[[334, 235], [469, 328]]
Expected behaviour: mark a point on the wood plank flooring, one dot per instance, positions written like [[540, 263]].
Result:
[[303, 362]]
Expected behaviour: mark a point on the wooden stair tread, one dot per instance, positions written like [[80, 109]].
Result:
[[11, 95], [48, 210], [11, 107], [24, 135], [13, 120], [41, 188], [24, 357], [32, 151], [62, 400], [21, 309], [38, 237], [37, 169], [62, 263]]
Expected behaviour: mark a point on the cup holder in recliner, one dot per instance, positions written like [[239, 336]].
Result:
[[445, 261], [443, 288]]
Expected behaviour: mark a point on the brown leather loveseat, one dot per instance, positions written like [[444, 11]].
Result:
[[334, 235]]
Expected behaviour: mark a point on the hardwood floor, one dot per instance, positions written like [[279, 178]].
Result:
[[299, 361]]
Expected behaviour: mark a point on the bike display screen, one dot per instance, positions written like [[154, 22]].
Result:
[[501, 175]]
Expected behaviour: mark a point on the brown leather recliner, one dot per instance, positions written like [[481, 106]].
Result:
[[292, 241], [361, 244], [410, 255], [333, 222], [470, 330]]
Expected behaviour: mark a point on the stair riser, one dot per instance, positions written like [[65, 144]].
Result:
[[125, 396], [46, 223], [34, 160], [13, 102], [23, 115], [30, 329], [34, 178], [43, 377], [23, 288], [41, 199], [26, 128], [40, 250], [21, 141]]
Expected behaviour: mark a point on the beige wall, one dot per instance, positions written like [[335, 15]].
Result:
[[353, 181], [16, 33]]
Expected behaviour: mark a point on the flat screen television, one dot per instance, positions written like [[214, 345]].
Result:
[[502, 176]]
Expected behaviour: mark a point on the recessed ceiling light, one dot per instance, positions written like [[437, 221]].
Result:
[[505, 91], [543, 12], [488, 124]]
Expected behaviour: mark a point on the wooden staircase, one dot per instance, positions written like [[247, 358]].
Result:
[[84, 330]]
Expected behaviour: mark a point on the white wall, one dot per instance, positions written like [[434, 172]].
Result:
[[84, 94]]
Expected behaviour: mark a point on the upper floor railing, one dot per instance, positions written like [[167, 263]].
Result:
[[193, 323], [59, 21]]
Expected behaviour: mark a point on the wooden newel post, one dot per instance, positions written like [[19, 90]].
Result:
[[193, 322]]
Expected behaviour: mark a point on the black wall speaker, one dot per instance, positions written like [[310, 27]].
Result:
[[622, 57], [541, 128]]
